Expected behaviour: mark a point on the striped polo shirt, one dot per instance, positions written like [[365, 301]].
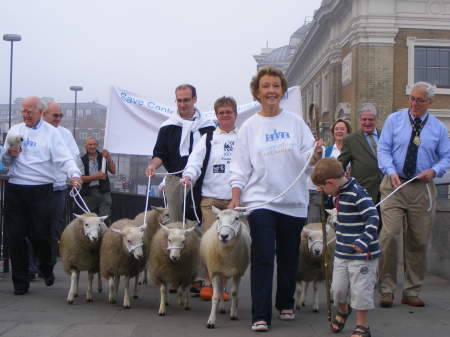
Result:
[[357, 223]]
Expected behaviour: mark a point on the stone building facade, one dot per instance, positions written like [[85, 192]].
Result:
[[371, 51]]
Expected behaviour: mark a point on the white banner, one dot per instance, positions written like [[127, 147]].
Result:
[[132, 121]]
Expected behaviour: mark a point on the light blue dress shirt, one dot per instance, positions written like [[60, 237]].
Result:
[[434, 148]]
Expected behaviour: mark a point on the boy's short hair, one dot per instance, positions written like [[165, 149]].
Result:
[[327, 168]]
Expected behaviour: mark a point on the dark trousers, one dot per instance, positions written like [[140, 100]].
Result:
[[28, 216], [58, 205], [273, 233]]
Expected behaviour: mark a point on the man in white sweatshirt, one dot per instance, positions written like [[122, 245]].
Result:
[[53, 115], [31, 176]]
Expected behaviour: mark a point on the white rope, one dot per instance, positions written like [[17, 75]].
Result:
[[168, 173], [164, 198], [394, 191], [184, 206], [146, 200], [193, 206], [308, 160], [75, 194]]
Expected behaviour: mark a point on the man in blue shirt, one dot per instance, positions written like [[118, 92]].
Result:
[[413, 144]]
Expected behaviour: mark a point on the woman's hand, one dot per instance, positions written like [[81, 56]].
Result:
[[318, 152]]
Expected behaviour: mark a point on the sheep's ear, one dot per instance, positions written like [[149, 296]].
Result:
[[164, 227], [143, 227], [215, 209], [78, 216], [190, 229], [118, 231], [103, 218], [307, 231], [159, 209]]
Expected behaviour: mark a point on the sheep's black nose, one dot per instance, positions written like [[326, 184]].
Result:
[[317, 251], [224, 237]]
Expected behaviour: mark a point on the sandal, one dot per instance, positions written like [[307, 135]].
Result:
[[260, 326], [287, 315], [362, 331], [340, 325]]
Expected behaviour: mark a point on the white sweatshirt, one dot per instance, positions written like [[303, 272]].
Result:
[[215, 183], [270, 153], [61, 176], [43, 150]]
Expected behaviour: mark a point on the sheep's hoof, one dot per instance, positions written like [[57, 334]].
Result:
[[135, 297], [210, 325], [75, 295], [315, 310], [222, 311], [69, 301], [234, 318], [127, 306], [100, 290], [112, 301], [89, 300], [161, 313]]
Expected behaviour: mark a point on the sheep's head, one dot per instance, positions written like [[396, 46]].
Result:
[[228, 224], [176, 239], [163, 214], [93, 226], [315, 240], [132, 240]]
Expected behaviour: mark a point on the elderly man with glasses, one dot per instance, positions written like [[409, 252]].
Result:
[[53, 115], [414, 144]]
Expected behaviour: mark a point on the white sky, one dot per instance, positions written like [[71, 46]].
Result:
[[145, 46]]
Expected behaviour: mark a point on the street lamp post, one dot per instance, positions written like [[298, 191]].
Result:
[[75, 88], [11, 38]]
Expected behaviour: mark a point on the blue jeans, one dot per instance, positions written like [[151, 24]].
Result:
[[273, 233]]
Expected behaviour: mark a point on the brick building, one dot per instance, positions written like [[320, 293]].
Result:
[[372, 51]]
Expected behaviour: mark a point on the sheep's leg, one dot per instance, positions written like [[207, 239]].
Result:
[[298, 294], [116, 287], [73, 282], [221, 293], [315, 296], [89, 286], [214, 301], [143, 277], [187, 297], [126, 293], [180, 294], [304, 289], [75, 294], [99, 283], [234, 297], [135, 290], [162, 302], [111, 297]]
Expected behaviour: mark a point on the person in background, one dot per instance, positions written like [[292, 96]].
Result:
[[96, 188], [272, 147], [209, 168]]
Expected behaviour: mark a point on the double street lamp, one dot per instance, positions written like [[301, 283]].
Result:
[[11, 38], [75, 88]]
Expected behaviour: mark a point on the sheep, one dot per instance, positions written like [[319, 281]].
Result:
[[174, 259], [225, 251], [154, 217], [122, 254], [79, 249], [310, 261]]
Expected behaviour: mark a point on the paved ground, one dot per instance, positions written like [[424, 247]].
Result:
[[43, 312]]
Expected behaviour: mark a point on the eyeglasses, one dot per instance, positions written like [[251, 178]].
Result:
[[57, 115], [418, 100], [183, 100], [225, 112], [28, 112]]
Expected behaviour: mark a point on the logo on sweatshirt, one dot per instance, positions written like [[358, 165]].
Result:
[[29, 143], [228, 148], [270, 137]]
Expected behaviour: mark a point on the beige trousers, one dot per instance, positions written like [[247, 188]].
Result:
[[207, 213], [405, 214], [174, 195]]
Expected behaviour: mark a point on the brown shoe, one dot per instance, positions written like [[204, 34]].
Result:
[[413, 301], [386, 300]]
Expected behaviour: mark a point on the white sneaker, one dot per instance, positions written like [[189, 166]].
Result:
[[287, 316], [260, 327]]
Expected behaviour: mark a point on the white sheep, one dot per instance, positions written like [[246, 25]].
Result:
[[174, 259], [122, 253], [79, 249], [310, 267], [154, 217], [225, 251]]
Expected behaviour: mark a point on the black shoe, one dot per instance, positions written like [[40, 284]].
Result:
[[49, 280], [20, 291], [32, 276]]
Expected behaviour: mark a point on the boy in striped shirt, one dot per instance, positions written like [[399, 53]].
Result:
[[357, 247]]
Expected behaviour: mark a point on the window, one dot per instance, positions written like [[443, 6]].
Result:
[[432, 64], [83, 135]]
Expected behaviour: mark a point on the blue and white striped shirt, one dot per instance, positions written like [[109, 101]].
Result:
[[357, 223]]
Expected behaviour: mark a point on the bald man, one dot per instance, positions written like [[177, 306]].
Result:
[[53, 115], [28, 192]]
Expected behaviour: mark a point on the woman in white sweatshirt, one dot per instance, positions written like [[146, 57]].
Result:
[[271, 150]]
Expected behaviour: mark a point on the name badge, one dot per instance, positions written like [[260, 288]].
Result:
[[220, 168]]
